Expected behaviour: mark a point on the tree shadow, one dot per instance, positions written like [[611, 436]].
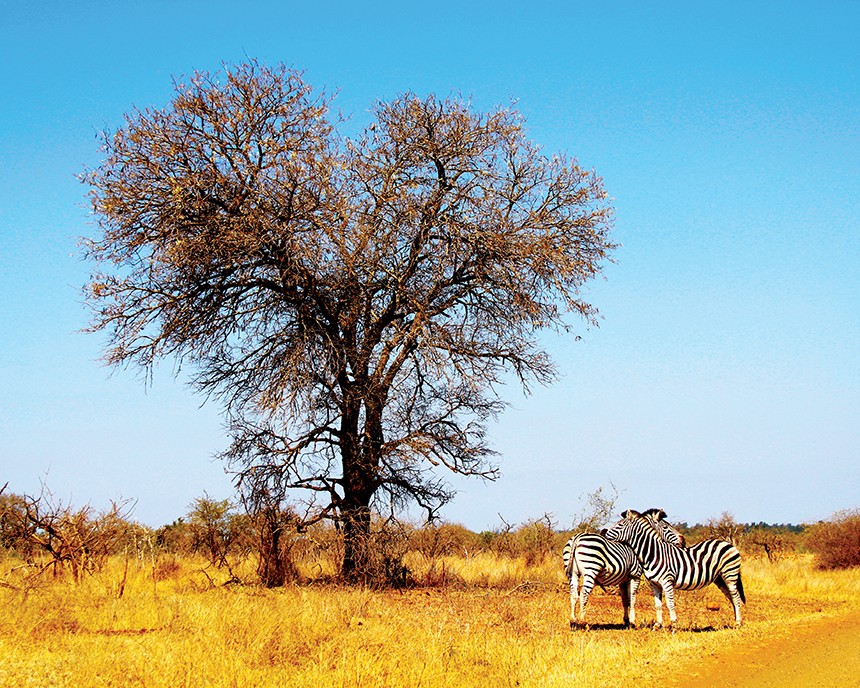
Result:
[[648, 627], [602, 627], [701, 629]]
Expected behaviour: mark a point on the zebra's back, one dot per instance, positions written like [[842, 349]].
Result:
[[704, 563], [612, 563]]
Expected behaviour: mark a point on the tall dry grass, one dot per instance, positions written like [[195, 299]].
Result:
[[497, 621]]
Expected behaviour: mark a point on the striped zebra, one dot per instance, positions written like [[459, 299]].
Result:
[[590, 558], [669, 568], [665, 530]]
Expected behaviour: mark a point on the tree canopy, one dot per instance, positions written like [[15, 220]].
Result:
[[354, 303]]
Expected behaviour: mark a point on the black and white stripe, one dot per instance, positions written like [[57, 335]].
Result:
[[668, 567], [591, 559]]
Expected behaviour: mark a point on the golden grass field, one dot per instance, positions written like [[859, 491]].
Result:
[[172, 622]]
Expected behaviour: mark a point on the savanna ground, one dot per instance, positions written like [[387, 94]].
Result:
[[175, 621]]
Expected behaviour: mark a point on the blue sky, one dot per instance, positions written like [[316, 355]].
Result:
[[725, 374]]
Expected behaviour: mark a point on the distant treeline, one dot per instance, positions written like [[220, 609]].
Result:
[[787, 527], [51, 535]]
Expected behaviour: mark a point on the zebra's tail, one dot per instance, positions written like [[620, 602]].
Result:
[[741, 588], [567, 556]]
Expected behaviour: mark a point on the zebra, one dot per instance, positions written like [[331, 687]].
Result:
[[590, 558], [669, 568], [665, 530]]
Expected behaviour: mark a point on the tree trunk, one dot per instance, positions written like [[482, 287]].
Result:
[[358, 558], [361, 449], [359, 473]]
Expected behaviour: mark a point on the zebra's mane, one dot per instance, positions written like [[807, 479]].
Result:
[[635, 516], [658, 514]]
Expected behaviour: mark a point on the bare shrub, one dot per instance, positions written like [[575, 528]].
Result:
[[532, 540], [80, 539], [500, 541], [773, 541], [536, 540], [276, 532], [724, 528], [836, 543], [435, 540]]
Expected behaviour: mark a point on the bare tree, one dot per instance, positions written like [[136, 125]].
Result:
[[353, 303], [724, 528], [598, 510]]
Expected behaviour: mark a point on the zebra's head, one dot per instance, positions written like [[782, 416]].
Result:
[[622, 530], [652, 521], [665, 530]]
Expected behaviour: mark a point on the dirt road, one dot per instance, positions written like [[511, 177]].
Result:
[[824, 653]]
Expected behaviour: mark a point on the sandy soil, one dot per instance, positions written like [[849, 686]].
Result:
[[822, 653]]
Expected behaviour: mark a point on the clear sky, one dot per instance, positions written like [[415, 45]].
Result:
[[725, 374]]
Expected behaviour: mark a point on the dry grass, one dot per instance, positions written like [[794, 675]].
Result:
[[501, 624]]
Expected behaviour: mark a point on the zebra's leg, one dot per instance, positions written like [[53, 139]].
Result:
[[730, 590], [574, 595], [584, 592], [624, 592], [669, 592], [657, 589], [628, 600], [634, 587]]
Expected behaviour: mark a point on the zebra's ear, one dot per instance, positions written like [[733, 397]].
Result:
[[660, 514], [630, 513]]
